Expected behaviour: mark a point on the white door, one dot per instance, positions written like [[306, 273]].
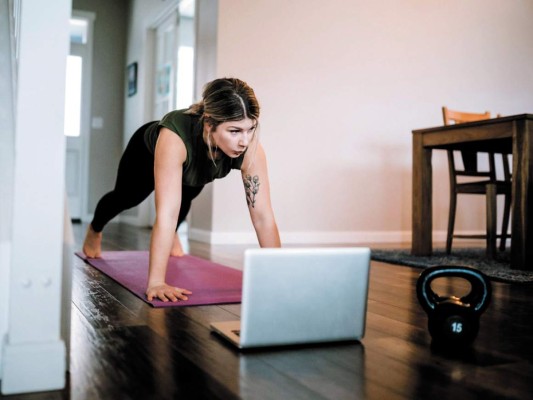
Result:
[[166, 56], [174, 55], [174, 67], [77, 113], [166, 39]]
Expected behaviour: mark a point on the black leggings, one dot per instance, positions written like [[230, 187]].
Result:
[[135, 181]]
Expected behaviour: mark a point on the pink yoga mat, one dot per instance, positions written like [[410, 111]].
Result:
[[209, 282]]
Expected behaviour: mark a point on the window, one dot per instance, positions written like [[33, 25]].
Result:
[[78, 35], [73, 96], [185, 77], [78, 31]]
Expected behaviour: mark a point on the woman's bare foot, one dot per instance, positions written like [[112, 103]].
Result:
[[92, 246], [177, 249]]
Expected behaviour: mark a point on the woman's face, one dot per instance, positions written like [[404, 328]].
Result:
[[234, 137]]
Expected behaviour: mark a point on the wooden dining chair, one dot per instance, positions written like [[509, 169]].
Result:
[[484, 183]]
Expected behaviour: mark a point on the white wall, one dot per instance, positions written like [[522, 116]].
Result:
[[107, 95], [33, 354], [201, 215], [143, 18], [343, 83], [142, 15], [7, 155]]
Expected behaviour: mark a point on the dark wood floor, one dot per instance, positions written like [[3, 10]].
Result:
[[123, 349]]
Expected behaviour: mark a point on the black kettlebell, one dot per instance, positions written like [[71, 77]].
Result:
[[454, 321]]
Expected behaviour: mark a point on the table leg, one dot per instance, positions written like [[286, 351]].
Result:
[[422, 191], [491, 192], [521, 235]]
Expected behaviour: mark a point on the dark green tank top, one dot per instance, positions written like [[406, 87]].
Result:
[[198, 168]]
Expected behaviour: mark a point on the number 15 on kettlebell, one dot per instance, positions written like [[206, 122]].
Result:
[[454, 320]]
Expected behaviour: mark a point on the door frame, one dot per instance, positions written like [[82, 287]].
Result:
[[146, 210], [86, 106]]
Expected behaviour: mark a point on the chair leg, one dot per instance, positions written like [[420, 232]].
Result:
[[505, 221], [491, 220], [451, 221]]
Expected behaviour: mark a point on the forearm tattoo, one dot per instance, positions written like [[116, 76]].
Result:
[[251, 187]]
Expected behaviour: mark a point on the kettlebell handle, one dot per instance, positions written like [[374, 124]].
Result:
[[478, 297]]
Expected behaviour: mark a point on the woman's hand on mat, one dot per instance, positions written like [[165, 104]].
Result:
[[166, 293]]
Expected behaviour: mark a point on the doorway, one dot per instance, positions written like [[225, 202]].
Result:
[[174, 60], [77, 112], [173, 71]]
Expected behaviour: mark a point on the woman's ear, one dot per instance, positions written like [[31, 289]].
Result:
[[208, 131], [208, 124]]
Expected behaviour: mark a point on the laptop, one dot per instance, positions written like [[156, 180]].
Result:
[[300, 295]]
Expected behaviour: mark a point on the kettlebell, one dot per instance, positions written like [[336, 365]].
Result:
[[454, 321]]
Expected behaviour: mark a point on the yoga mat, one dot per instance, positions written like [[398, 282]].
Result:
[[209, 282]]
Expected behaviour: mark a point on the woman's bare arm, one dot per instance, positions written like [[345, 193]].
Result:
[[257, 190], [170, 154]]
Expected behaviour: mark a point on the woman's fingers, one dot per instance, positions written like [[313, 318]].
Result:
[[170, 296], [167, 293], [182, 293]]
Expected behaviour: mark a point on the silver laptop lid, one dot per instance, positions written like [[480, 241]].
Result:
[[304, 295]]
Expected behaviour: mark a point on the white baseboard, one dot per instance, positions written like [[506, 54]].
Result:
[[340, 237], [132, 220], [205, 236], [332, 237], [5, 268], [128, 219], [33, 367]]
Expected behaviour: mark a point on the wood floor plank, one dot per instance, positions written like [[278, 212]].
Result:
[[217, 358], [97, 305], [444, 369], [122, 348], [132, 362]]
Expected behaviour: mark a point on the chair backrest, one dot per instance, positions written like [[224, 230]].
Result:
[[469, 157], [458, 117]]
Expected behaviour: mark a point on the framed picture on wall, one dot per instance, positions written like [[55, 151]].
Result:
[[132, 79]]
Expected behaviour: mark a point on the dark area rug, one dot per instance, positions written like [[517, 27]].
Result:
[[498, 270]]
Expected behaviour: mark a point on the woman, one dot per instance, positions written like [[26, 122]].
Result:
[[177, 156]]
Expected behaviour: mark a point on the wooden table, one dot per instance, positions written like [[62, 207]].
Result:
[[512, 134]]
